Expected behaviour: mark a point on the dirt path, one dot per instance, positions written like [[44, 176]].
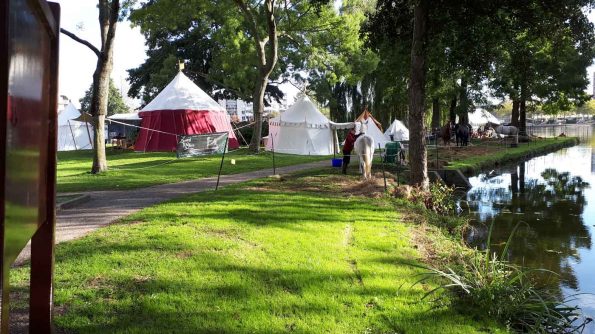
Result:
[[105, 207]]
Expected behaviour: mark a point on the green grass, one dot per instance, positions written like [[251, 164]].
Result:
[[134, 170], [476, 163], [257, 258]]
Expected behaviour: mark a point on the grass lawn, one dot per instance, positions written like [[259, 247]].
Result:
[[134, 170], [300, 255], [490, 153]]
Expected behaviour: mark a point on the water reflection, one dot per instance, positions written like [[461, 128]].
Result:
[[550, 208], [553, 197]]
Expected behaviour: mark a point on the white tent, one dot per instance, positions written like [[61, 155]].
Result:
[[302, 130], [397, 130], [73, 135], [374, 129], [481, 117]]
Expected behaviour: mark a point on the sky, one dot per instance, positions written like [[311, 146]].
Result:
[[77, 62]]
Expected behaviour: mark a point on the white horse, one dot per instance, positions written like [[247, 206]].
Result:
[[507, 130], [364, 148]]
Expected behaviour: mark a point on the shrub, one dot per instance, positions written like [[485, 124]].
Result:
[[439, 198], [487, 285]]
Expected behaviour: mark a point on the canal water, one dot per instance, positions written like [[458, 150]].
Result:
[[553, 196]]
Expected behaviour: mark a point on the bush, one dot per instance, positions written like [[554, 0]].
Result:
[[439, 198], [487, 285]]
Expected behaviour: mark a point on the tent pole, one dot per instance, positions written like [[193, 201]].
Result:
[[72, 134], [383, 169], [89, 134], [273, 150], [221, 165]]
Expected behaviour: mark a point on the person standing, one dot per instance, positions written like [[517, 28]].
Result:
[[348, 146]]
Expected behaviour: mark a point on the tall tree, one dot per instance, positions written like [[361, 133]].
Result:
[[109, 12], [544, 52], [417, 96], [247, 44], [115, 102]]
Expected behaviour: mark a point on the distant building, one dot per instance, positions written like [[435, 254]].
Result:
[[241, 111], [238, 110]]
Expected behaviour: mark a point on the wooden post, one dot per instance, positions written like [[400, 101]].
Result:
[[42, 243], [4, 56], [40, 19]]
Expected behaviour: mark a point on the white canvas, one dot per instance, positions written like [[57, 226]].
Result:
[[374, 132], [183, 94], [398, 130], [481, 117], [73, 135], [301, 130]]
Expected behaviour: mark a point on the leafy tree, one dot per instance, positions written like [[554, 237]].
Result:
[[238, 45], [109, 14], [470, 43], [587, 108], [545, 50], [115, 102]]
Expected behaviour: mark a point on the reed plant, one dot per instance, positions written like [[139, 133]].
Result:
[[487, 285]]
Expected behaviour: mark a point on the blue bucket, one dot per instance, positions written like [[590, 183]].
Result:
[[337, 162]]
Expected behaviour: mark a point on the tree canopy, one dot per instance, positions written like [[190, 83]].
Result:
[[115, 102], [245, 49]]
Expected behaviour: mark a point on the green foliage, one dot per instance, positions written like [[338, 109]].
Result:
[[115, 102], [487, 285], [588, 108], [438, 199], [218, 47], [535, 50]]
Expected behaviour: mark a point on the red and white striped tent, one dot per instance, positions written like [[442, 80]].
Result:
[[182, 108]]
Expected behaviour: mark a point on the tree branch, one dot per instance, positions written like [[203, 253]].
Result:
[[80, 40]]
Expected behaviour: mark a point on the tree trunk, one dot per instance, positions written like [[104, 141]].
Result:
[[463, 110], [523, 118], [514, 118], [417, 83], [99, 101], [435, 113], [267, 52], [108, 18], [452, 114], [258, 110], [109, 12], [523, 112]]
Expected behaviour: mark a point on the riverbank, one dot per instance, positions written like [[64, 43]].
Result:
[[481, 155], [313, 252]]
